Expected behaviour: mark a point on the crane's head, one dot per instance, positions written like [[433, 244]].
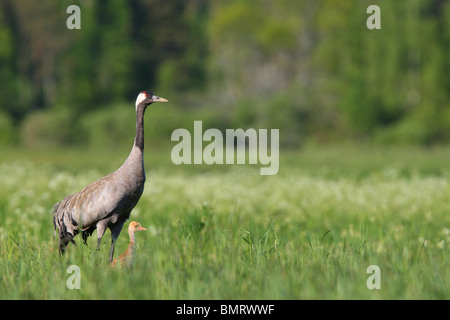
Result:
[[146, 98], [135, 226]]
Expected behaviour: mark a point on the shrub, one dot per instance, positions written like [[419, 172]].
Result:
[[405, 133], [116, 126], [109, 127], [49, 128], [7, 134]]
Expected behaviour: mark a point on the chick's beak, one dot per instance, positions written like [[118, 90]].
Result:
[[142, 228], [158, 99]]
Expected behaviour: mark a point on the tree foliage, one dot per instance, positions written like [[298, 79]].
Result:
[[310, 68]]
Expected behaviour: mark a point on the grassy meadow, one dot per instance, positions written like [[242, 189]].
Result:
[[226, 232]]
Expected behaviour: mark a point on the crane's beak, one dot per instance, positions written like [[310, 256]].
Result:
[[142, 228], [158, 99]]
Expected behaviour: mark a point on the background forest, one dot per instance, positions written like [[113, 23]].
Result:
[[364, 126], [310, 68]]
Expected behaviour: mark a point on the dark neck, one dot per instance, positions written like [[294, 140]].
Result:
[[139, 139]]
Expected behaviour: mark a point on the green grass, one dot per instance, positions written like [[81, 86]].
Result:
[[309, 232]]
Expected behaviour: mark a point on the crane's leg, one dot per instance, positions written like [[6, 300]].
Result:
[[115, 231], [101, 228], [111, 252]]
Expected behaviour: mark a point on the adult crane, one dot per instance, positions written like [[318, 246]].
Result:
[[107, 202]]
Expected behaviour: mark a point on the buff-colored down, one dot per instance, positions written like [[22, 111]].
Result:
[[127, 257]]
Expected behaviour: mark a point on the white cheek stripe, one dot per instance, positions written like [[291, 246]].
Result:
[[141, 97]]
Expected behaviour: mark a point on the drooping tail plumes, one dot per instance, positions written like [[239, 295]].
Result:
[[65, 224]]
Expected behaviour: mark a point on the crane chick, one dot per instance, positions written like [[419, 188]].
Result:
[[107, 202], [127, 257]]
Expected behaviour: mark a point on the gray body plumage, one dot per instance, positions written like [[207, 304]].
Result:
[[106, 203]]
